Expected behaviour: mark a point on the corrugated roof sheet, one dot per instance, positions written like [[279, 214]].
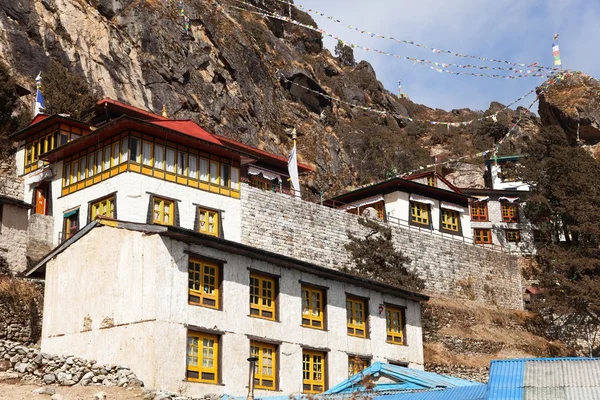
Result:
[[545, 379], [401, 378], [477, 392]]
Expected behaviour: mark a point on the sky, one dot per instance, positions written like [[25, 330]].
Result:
[[519, 31]]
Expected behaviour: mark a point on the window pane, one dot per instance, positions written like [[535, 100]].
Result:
[[75, 174], [235, 178], [159, 157], [82, 166], [193, 165], [147, 153], [99, 161], [224, 175], [106, 151], [170, 160], [182, 163], [204, 169], [67, 174], [134, 153], [115, 157], [124, 148], [91, 165], [214, 172]]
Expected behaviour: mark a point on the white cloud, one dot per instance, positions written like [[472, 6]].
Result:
[[516, 30]]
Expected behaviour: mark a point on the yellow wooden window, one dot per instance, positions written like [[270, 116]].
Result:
[[208, 222], [394, 325], [313, 371], [432, 181], [71, 219], [450, 220], [512, 235], [163, 211], [312, 307], [265, 372], [483, 236], [262, 296], [203, 285], [479, 211], [357, 364], [510, 212], [356, 317], [202, 357], [104, 207], [419, 213]]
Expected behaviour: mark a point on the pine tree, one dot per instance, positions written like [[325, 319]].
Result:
[[565, 204], [376, 258], [67, 92], [345, 54]]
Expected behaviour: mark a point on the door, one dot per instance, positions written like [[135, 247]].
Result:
[[41, 198]]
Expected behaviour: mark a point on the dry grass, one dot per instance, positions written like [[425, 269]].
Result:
[[13, 290]]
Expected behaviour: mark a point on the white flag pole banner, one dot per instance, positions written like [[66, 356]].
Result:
[[293, 171]]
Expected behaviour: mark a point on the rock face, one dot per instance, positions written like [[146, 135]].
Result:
[[574, 102], [237, 74]]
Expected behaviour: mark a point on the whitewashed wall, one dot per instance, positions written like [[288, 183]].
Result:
[[143, 289], [133, 196]]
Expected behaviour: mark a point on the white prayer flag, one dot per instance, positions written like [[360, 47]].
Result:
[[293, 171]]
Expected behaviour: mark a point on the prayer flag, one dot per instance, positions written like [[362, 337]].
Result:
[[293, 171], [39, 99], [556, 54]]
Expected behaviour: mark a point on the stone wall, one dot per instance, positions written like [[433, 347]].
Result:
[[11, 184], [32, 366], [21, 305], [13, 238], [314, 233]]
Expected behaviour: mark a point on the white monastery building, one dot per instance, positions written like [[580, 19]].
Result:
[[182, 307]]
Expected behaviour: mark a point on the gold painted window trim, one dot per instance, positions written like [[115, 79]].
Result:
[[265, 370], [262, 296], [104, 207], [203, 283], [394, 325], [419, 213], [313, 371], [160, 207], [313, 307], [483, 235], [205, 216], [450, 220], [202, 357], [356, 317]]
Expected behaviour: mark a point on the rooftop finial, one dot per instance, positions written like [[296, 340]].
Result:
[[164, 111]]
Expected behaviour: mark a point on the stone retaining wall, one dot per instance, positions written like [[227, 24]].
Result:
[[314, 233], [31, 365], [21, 315]]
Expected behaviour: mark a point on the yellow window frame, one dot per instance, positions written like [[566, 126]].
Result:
[[419, 213], [104, 207], [356, 364], [204, 221], [513, 235], [262, 296], [510, 212], [432, 181], [483, 236], [313, 307], [265, 369], [313, 371], [202, 357], [158, 211], [356, 317], [394, 325], [203, 283], [450, 219]]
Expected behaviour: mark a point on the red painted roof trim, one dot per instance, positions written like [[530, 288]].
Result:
[[127, 107], [437, 174]]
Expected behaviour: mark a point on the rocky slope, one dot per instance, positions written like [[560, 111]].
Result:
[[232, 74]]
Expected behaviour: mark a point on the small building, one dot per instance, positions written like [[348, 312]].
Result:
[[497, 219], [134, 165], [186, 309], [426, 202], [13, 234], [502, 173]]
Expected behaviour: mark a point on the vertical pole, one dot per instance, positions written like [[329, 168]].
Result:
[[252, 361]]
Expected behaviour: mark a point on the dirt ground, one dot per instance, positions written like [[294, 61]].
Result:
[[23, 392]]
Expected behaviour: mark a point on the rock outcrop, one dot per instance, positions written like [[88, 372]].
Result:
[[237, 74]]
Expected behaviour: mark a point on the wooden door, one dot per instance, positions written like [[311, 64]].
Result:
[[41, 198]]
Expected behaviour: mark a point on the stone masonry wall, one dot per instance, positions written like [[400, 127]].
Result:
[[314, 233], [21, 304]]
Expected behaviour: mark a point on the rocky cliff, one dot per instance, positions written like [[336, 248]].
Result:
[[247, 77]]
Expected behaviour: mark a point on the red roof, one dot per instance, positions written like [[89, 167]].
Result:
[[38, 118], [123, 108], [190, 128], [264, 155]]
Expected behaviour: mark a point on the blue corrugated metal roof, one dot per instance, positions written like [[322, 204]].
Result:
[[476, 392], [544, 379], [399, 378]]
